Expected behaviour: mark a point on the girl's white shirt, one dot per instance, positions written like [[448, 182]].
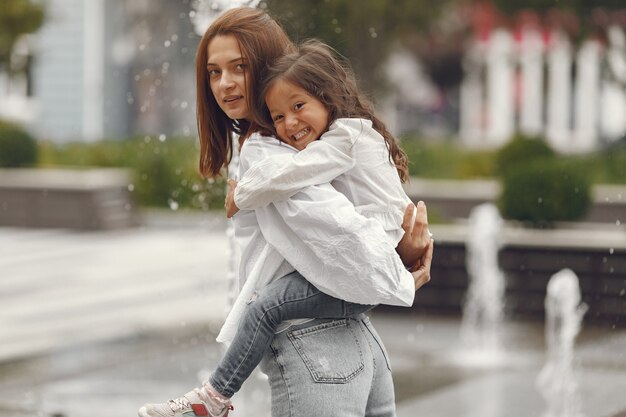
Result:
[[352, 156], [317, 231]]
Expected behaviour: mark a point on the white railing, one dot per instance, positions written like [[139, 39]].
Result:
[[542, 85]]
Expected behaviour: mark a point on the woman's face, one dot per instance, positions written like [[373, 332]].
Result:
[[298, 117], [228, 75]]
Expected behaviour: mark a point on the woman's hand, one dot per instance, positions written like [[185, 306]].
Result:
[[421, 270], [229, 204], [417, 238]]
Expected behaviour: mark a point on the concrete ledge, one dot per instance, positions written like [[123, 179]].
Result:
[[62, 198], [455, 199], [529, 258]]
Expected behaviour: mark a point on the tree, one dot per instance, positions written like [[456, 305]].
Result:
[[364, 31], [17, 17]]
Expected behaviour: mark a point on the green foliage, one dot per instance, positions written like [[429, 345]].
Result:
[[579, 7], [364, 31], [615, 165], [17, 17], [544, 191], [165, 172], [17, 147], [446, 160], [521, 150]]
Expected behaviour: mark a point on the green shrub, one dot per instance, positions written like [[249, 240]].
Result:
[[165, 172], [615, 158], [521, 149], [17, 147], [544, 191], [446, 159]]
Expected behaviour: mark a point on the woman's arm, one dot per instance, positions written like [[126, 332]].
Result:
[[278, 177], [319, 232]]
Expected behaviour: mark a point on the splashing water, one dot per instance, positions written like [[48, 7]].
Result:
[[482, 311], [564, 313], [206, 11]]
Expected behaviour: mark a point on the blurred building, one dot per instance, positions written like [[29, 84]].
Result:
[[106, 69]]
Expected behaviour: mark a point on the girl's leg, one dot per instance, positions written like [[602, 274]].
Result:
[[290, 297]]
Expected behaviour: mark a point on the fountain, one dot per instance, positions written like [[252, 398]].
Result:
[[483, 308], [564, 313], [203, 14]]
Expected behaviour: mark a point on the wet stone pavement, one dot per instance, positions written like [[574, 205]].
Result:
[[96, 324]]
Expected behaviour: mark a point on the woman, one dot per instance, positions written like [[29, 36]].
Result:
[[316, 367]]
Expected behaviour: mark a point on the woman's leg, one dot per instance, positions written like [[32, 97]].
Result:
[[329, 368], [290, 297], [381, 400]]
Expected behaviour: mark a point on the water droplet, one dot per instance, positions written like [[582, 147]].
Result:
[[611, 251], [147, 139], [617, 222], [183, 105], [174, 37], [622, 292], [167, 43], [131, 187], [539, 200], [173, 204], [162, 137]]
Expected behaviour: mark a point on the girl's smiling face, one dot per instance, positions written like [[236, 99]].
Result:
[[298, 117], [227, 69]]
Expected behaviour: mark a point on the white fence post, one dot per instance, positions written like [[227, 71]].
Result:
[[587, 97], [559, 61], [531, 66], [500, 85]]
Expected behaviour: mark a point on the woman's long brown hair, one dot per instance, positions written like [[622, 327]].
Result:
[[324, 74], [261, 40]]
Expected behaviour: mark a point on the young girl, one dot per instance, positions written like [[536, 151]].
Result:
[[292, 296]]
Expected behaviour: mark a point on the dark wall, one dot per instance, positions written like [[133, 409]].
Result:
[[602, 277]]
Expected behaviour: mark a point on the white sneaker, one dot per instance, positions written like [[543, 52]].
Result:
[[189, 405]]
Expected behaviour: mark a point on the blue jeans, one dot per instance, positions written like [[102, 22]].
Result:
[[290, 297], [330, 368]]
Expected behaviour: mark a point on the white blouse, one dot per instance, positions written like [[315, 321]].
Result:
[[352, 156], [317, 232]]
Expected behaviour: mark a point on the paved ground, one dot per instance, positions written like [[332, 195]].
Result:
[[95, 324]]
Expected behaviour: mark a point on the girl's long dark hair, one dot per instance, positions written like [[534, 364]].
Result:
[[324, 74]]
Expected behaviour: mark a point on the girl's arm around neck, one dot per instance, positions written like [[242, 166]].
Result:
[[278, 177]]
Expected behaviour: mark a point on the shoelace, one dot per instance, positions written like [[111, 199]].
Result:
[[179, 404]]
